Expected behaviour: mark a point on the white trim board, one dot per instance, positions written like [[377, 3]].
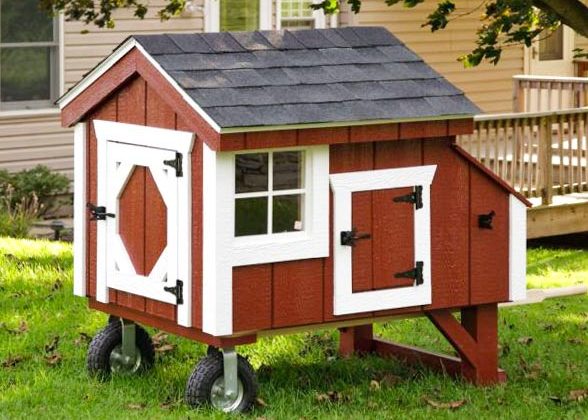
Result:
[[222, 251], [343, 186], [80, 211], [517, 250]]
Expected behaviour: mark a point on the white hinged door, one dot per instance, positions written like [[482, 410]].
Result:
[[384, 262], [142, 229]]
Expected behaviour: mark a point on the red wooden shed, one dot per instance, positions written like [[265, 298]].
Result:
[[234, 185]]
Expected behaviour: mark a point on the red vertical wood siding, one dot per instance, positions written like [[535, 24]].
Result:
[[449, 232], [489, 252], [131, 216], [155, 216], [252, 297], [361, 256]]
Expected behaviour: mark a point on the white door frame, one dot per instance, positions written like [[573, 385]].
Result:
[[110, 133], [562, 68], [343, 186]]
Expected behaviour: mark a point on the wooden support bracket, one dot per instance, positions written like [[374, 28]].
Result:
[[475, 340]]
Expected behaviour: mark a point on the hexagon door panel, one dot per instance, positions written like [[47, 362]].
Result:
[[141, 239]]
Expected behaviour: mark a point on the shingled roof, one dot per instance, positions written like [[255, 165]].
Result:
[[261, 79]]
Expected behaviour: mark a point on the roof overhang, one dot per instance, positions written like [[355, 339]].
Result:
[[114, 58]]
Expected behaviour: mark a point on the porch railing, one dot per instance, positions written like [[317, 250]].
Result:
[[540, 154], [548, 93]]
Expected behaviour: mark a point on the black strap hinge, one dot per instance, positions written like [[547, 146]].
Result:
[[415, 197], [98, 212], [416, 274], [176, 163], [177, 291]]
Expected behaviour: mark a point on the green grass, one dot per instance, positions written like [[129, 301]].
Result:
[[35, 288]]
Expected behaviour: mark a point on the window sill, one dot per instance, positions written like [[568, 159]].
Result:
[[30, 113]]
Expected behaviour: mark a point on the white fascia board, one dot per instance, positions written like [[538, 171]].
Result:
[[96, 72], [80, 211], [517, 249], [115, 57]]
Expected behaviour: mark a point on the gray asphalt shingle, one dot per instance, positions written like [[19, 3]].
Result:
[[265, 78]]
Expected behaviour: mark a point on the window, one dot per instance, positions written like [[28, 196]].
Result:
[[269, 193], [249, 15], [551, 46], [239, 15], [28, 56], [296, 14]]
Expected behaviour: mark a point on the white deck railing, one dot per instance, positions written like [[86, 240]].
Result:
[[549, 93], [539, 153]]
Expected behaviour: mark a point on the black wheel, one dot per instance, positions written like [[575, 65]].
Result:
[[112, 318], [105, 352], [206, 386]]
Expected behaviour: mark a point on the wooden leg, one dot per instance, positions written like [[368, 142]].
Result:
[[481, 322], [354, 340], [475, 339]]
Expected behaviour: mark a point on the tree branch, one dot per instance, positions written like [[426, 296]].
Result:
[[572, 13]]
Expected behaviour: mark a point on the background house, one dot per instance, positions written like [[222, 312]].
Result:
[[40, 58]]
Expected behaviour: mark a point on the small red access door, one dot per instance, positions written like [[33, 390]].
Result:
[[381, 239]]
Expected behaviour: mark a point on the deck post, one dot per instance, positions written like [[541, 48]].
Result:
[[546, 160]]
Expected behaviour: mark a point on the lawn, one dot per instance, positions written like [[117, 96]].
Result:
[[44, 333]]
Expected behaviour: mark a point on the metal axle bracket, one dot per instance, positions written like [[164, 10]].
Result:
[[230, 372], [128, 346]]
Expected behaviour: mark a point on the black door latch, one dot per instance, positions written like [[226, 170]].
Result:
[[348, 237], [98, 212], [177, 291], [415, 197], [416, 274], [485, 220]]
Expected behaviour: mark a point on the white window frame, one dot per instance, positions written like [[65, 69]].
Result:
[[56, 76], [222, 250], [343, 186], [320, 20], [266, 15], [270, 193]]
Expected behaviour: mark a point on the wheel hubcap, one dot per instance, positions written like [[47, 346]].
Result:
[[125, 364], [220, 400]]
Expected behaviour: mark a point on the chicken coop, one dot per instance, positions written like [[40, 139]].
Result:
[[231, 186]]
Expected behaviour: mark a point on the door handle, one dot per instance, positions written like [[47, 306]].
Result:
[[348, 237], [98, 212]]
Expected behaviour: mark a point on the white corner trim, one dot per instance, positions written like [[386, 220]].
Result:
[[80, 211], [344, 185], [217, 270], [140, 135], [517, 249], [101, 232]]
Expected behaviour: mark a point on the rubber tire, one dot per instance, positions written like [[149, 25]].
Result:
[[98, 360], [213, 351], [207, 371]]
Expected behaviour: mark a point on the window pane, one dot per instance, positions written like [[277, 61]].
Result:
[[551, 46], [251, 172], [250, 216], [287, 170], [25, 74], [287, 210], [239, 15], [22, 21]]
